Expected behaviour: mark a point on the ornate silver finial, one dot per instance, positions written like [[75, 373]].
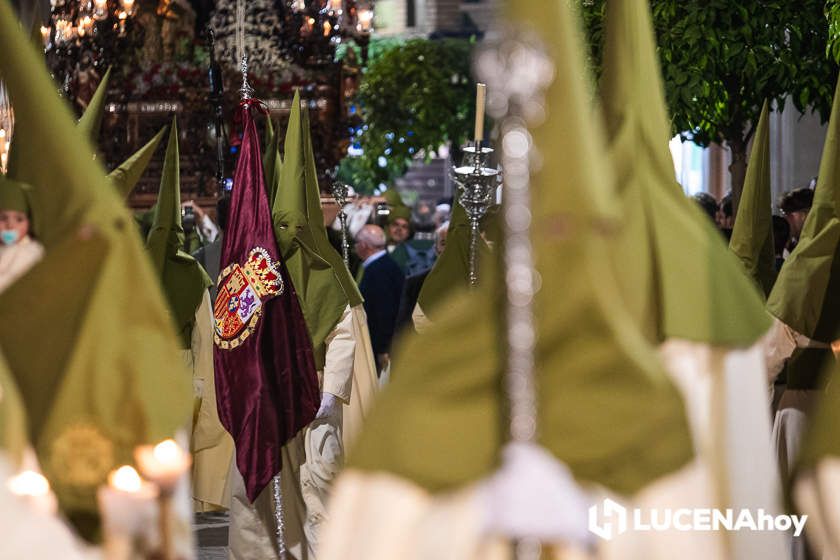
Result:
[[246, 91], [476, 183], [340, 192], [518, 71]]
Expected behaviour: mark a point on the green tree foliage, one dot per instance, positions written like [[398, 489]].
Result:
[[832, 12], [722, 59], [414, 97]]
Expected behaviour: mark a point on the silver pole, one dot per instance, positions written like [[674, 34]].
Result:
[[517, 70]]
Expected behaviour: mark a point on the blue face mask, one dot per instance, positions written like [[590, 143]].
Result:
[[8, 236]]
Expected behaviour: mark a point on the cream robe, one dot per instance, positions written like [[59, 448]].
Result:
[[212, 446], [313, 458], [790, 420], [17, 259], [420, 320], [380, 516], [817, 494], [726, 397], [377, 516]]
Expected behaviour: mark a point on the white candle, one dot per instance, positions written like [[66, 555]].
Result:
[[128, 507], [33, 488], [163, 463], [480, 98]]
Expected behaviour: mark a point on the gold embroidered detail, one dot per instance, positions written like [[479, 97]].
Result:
[[81, 456]]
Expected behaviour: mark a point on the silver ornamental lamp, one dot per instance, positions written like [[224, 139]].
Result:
[[340, 191], [476, 181]]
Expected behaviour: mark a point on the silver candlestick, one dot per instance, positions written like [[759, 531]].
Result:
[[476, 183], [340, 192]]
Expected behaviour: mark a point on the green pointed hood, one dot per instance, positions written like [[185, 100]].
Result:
[[677, 276], [92, 354], [272, 162], [91, 119], [451, 270], [13, 439], [268, 142], [752, 236], [166, 237], [321, 279], [806, 296], [14, 195], [128, 173], [601, 390], [183, 280]]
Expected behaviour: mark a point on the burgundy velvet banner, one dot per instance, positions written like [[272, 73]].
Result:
[[266, 383]]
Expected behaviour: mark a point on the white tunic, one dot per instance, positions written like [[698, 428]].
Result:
[[17, 259]]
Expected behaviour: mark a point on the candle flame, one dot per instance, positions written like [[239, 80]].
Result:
[[167, 452], [29, 483], [126, 479]]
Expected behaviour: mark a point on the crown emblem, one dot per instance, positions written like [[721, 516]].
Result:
[[242, 292]]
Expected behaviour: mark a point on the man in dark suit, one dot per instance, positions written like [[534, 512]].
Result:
[[381, 285]]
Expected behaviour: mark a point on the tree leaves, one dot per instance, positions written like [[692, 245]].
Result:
[[414, 98], [721, 60]]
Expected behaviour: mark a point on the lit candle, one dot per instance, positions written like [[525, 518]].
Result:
[[45, 34], [327, 29], [163, 463], [480, 98], [31, 486], [128, 507]]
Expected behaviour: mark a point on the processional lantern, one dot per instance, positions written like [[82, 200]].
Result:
[[476, 181]]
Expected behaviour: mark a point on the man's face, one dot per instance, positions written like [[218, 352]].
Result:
[[440, 242], [723, 221], [796, 221], [398, 230], [362, 249], [12, 220]]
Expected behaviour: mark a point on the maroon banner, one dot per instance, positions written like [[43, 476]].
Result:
[[266, 383]]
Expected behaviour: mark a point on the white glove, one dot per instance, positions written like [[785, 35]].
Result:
[[533, 495], [329, 405]]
